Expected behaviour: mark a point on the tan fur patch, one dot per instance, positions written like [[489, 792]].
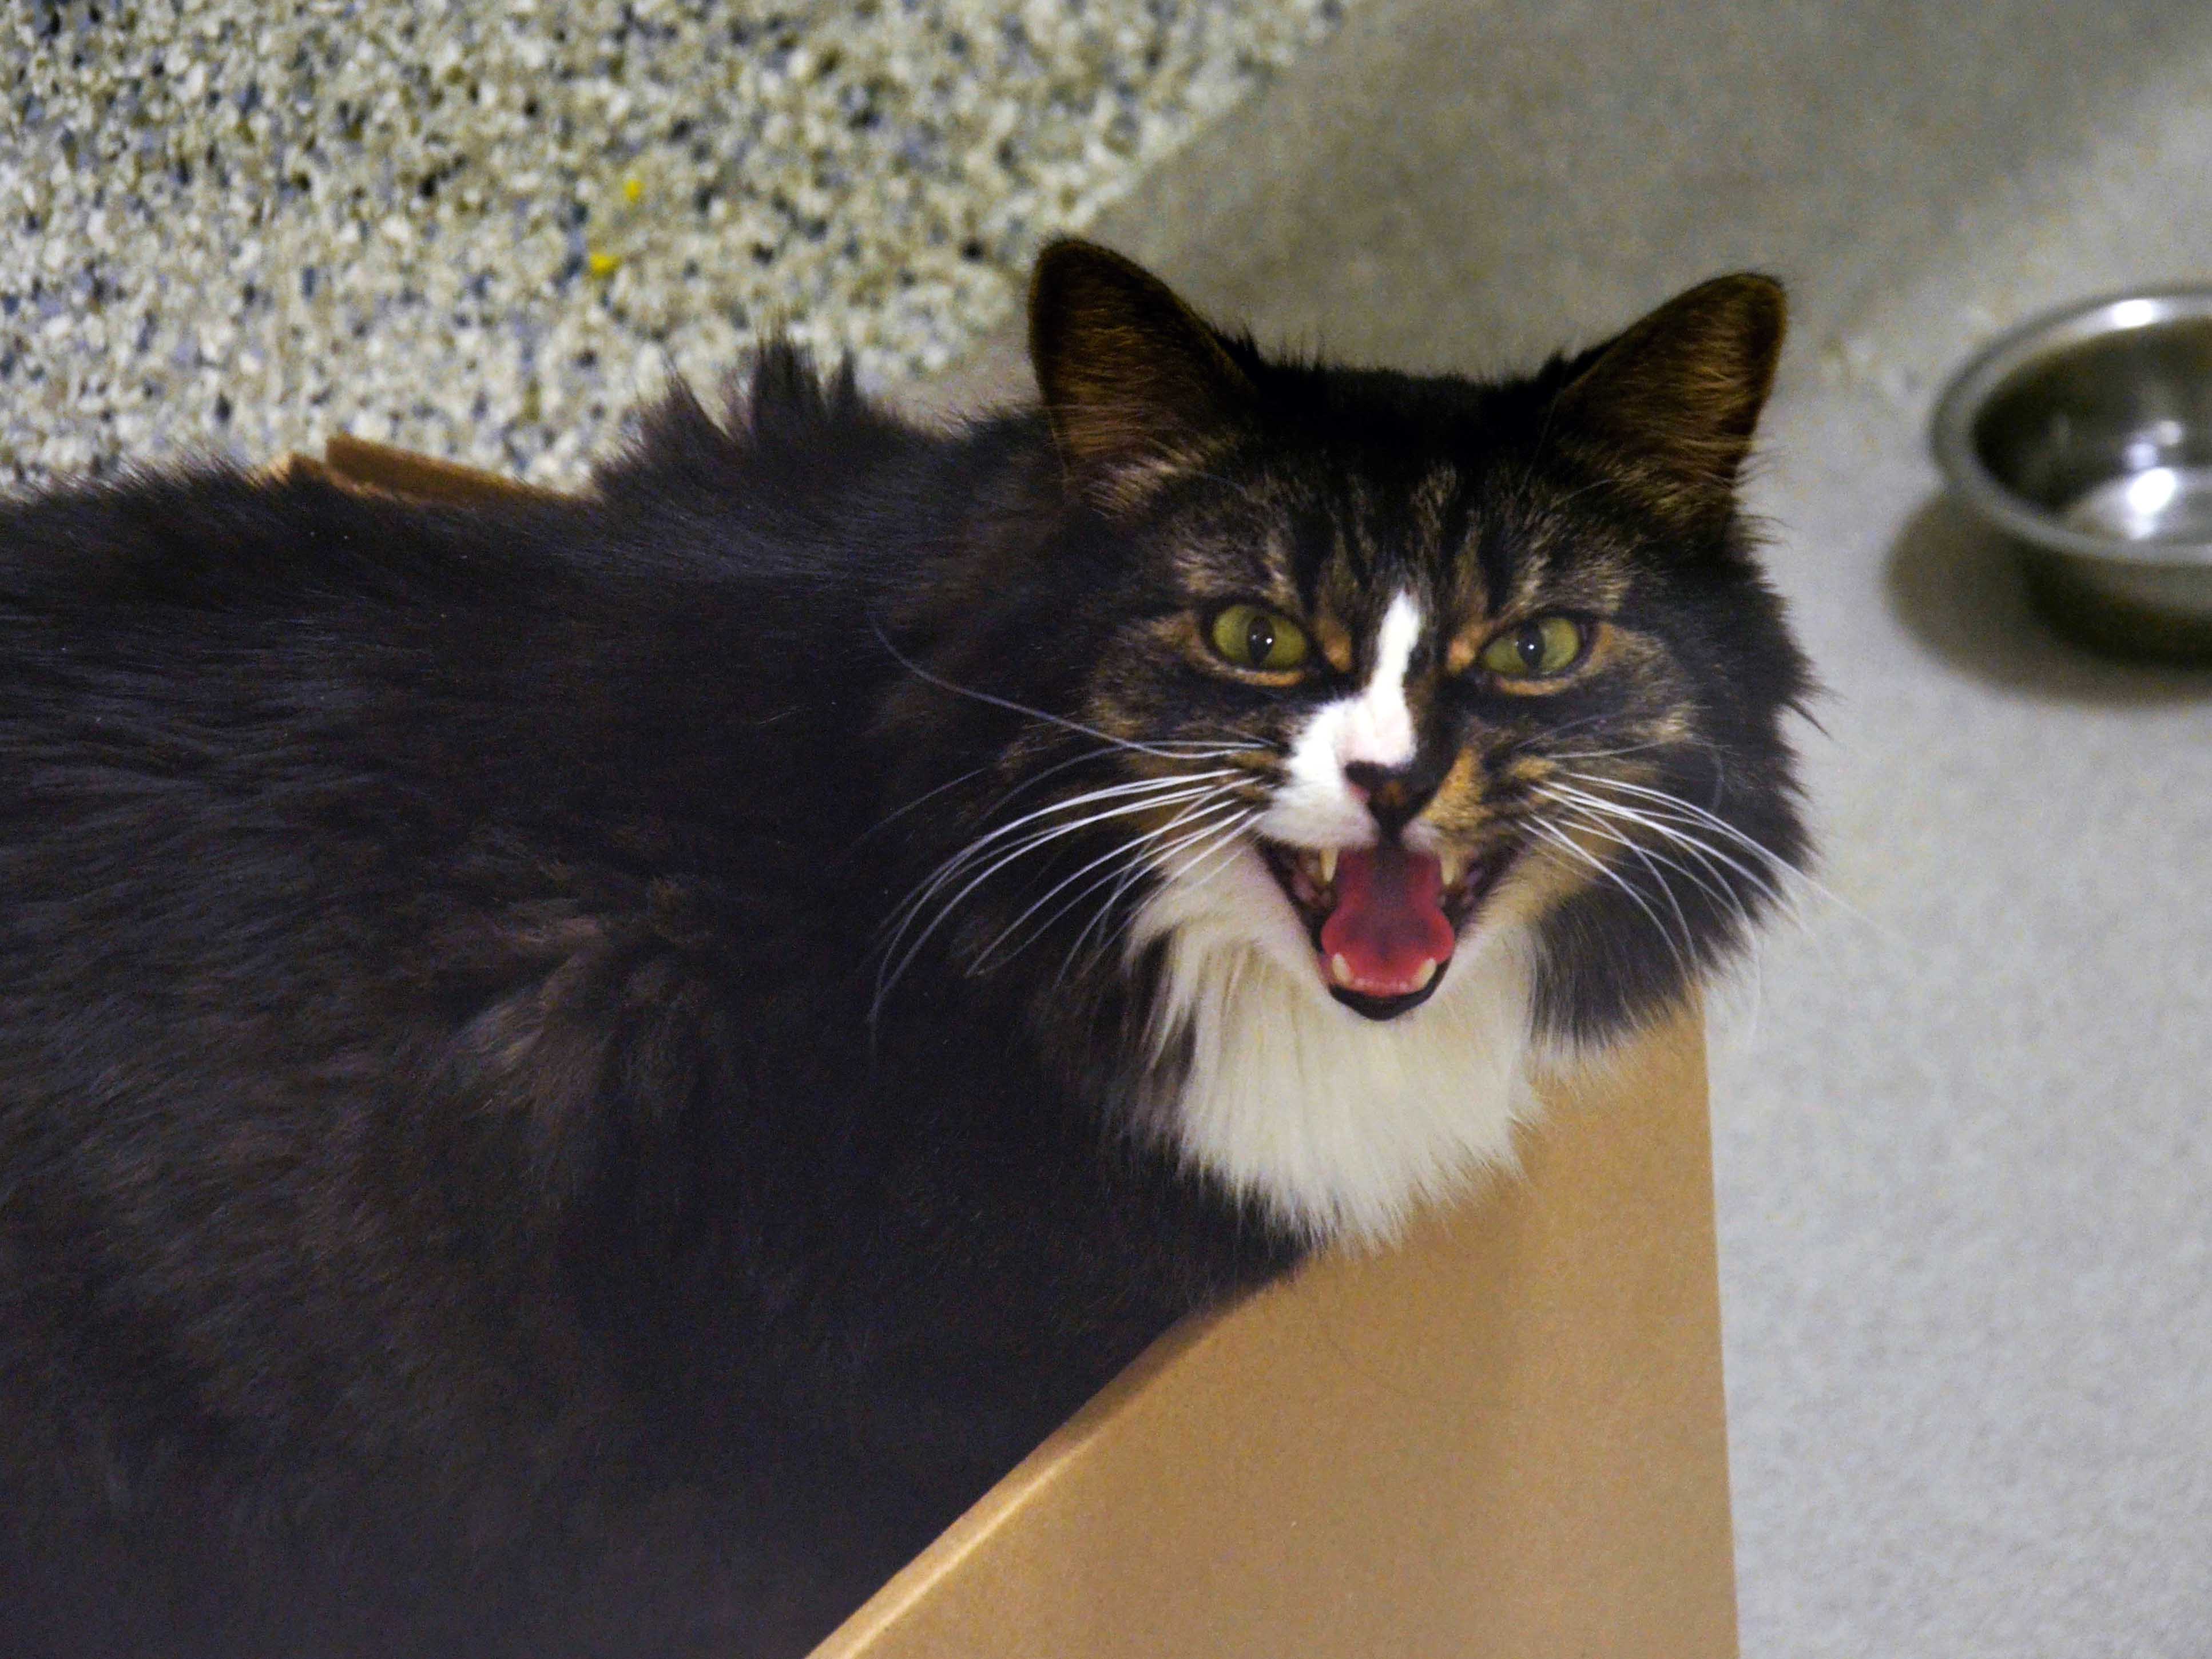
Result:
[[1538, 883], [1467, 645], [1457, 809], [1334, 638]]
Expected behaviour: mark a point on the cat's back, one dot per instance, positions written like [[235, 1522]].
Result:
[[350, 847], [209, 643], [281, 759], [233, 713]]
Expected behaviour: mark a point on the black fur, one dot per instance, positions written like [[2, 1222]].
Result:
[[465, 1186], [442, 1150]]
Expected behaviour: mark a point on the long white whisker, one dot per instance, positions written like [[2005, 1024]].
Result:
[[1703, 815], [1603, 820], [1675, 828], [1704, 855], [1194, 752], [1225, 840], [1801, 878], [911, 911], [1021, 788], [990, 847], [1221, 844], [1603, 753], [1146, 786], [1715, 861], [898, 812], [1128, 850], [1686, 814], [1595, 826], [1534, 741], [1050, 719], [1561, 839], [1245, 744], [1124, 880], [1716, 888], [1127, 878]]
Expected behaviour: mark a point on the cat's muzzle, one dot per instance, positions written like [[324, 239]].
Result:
[[1384, 920]]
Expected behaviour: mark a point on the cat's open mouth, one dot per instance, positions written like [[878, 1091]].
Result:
[[1383, 920]]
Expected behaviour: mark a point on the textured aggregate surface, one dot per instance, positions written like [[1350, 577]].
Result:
[[483, 227]]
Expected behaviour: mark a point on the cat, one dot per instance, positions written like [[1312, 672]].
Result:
[[580, 1075]]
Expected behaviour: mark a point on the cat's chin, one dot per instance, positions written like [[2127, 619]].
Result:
[[1388, 1007], [1382, 983]]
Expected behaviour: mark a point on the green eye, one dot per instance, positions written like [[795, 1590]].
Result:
[[1252, 638], [1546, 645]]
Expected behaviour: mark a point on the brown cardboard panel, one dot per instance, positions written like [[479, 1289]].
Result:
[[402, 472], [1505, 1438]]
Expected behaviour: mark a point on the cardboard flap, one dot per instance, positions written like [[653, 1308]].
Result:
[[357, 464], [1506, 1437]]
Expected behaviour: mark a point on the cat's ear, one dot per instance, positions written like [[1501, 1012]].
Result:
[[1135, 385], [1671, 404]]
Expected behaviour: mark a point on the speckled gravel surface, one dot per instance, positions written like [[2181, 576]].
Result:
[[485, 229]]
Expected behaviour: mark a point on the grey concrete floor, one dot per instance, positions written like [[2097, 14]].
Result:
[[1966, 1176]]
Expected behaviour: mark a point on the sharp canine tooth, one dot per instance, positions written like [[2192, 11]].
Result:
[[1426, 972], [1327, 857], [1455, 866], [1340, 968]]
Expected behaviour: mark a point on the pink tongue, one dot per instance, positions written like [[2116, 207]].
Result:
[[1386, 923]]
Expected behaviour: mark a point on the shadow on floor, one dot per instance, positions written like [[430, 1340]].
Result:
[[1959, 591]]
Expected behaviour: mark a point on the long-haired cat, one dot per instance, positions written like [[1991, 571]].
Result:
[[576, 1077]]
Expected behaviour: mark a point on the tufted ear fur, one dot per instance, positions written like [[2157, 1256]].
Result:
[[1136, 386], [1671, 404]]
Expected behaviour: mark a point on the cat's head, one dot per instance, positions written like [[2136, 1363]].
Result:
[[1416, 716]]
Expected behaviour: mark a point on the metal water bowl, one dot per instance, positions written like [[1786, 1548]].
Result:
[[2086, 436]]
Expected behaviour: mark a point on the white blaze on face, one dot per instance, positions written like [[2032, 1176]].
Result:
[[1315, 807], [1341, 1126]]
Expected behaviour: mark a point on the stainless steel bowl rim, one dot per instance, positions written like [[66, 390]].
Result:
[[1952, 430]]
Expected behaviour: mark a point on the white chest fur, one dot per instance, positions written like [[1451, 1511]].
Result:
[[1340, 1125]]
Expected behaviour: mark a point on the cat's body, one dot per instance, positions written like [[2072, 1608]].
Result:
[[489, 1162]]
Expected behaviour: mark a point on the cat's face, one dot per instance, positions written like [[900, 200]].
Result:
[[1434, 660], [1403, 677], [1374, 725]]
